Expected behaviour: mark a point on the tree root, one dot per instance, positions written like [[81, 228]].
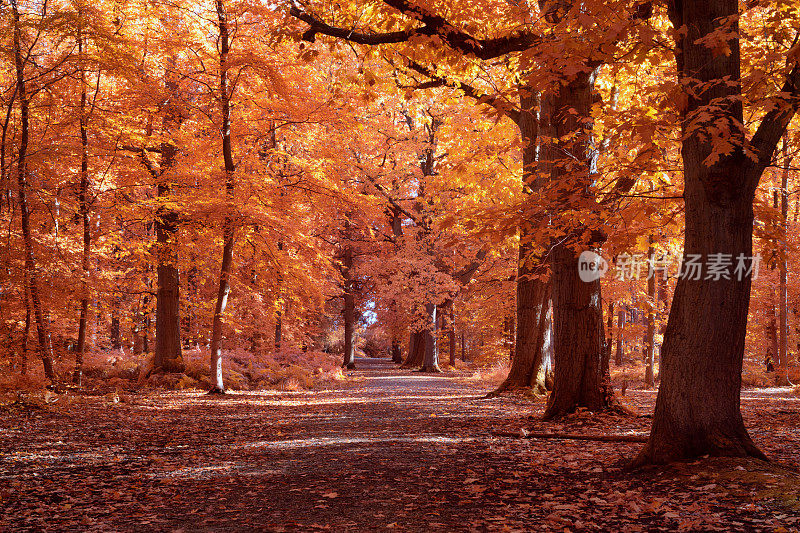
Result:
[[571, 436], [506, 387]]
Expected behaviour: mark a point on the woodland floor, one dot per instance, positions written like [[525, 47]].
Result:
[[387, 449]]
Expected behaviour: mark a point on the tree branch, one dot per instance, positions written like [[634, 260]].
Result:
[[318, 26], [773, 125], [459, 40], [468, 90], [432, 25]]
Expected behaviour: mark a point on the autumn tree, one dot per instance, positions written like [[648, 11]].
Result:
[[697, 410]]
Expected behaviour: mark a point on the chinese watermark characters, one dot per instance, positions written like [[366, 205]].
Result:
[[695, 267]]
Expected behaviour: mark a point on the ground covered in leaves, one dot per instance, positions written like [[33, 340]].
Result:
[[385, 449]]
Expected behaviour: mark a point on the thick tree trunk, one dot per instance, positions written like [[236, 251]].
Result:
[[43, 335], [697, 410], [168, 352], [168, 355], [416, 350], [581, 377], [531, 366], [650, 328]]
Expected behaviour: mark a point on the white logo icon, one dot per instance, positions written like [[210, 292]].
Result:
[[591, 266]]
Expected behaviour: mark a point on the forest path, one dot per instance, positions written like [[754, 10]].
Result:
[[387, 449]]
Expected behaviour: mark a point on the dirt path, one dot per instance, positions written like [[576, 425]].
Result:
[[387, 449]]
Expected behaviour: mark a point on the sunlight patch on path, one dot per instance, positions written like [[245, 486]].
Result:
[[341, 441], [215, 471]]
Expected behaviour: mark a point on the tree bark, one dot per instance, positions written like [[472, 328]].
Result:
[[349, 309], [218, 387], [581, 377], [83, 202], [115, 334], [397, 354], [279, 305], [43, 335], [430, 360], [168, 354], [27, 331], [610, 328], [168, 351], [416, 350], [531, 366], [698, 409]]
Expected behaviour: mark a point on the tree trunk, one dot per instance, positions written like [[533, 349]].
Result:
[[115, 334], [650, 329], [663, 308], [168, 353], [782, 371], [581, 377], [27, 331], [279, 303], [83, 201], [532, 362], [218, 387], [416, 350], [349, 310], [397, 354], [430, 361], [621, 317], [697, 410], [610, 328], [43, 335], [451, 334]]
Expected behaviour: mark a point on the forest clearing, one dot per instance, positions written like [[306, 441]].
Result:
[[398, 264]]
